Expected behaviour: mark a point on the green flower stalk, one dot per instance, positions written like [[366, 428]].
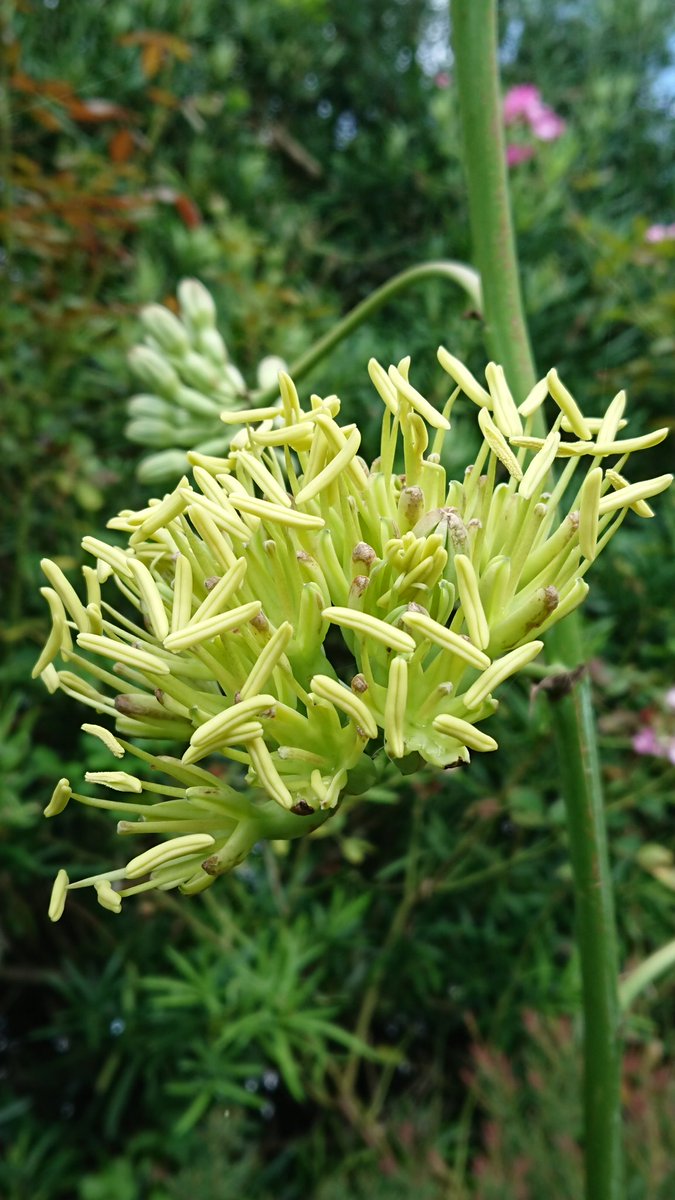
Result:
[[184, 364], [295, 610]]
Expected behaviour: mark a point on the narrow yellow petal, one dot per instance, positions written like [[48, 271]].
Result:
[[331, 471], [462, 375], [454, 642], [57, 901], [640, 507], [60, 797], [263, 765], [534, 399], [275, 513], [166, 852], [395, 708], [589, 512], [268, 659], [465, 733], [363, 623], [182, 594], [118, 781], [506, 415], [422, 406], [345, 699], [499, 671], [67, 592], [216, 726], [107, 896], [218, 597], [151, 597], [104, 735], [140, 660], [568, 405], [204, 631], [498, 444], [383, 385], [625, 497], [469, 595], [538, 469]]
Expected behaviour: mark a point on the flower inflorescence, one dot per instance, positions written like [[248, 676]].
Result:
[[294, 609], [184, 365]]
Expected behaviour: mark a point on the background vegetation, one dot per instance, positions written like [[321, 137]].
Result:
[[393, 1006]]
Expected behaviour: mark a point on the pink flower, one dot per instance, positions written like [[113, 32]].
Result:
[[645, 741], [442, 80], [518, 154], [524, 103], [523, 100], [547, 125], [660, 233]]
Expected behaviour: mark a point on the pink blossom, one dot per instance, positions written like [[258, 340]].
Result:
[[547, 125], [518, 154], [645, 741], [523, 100], [524, 103], [660, 233], [442, 79]]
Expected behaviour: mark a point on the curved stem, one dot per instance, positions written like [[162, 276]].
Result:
[[474, 24], [466, 278], [647, 972]]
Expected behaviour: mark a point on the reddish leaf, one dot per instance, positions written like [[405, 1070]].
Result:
[[56, 89], [121, 146], [95, 111], [188, 212]]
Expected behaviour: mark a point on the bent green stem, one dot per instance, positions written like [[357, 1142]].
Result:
[[474, 25], [464, 276], [645, 974]]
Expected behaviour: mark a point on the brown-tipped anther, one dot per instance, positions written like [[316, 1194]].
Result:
[[363, 553]]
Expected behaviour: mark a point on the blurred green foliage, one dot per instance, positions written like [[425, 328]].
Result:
[[302, 1030]]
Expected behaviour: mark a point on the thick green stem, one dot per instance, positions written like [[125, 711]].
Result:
[[465, 277], [580, 779], [474, 24]]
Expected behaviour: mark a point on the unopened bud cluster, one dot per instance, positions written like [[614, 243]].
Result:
[[184, 367], [294, 609]]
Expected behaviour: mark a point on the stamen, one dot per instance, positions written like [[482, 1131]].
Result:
[[371, 627], [464, 732]]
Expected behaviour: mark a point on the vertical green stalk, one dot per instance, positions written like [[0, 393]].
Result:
[[474, 25]]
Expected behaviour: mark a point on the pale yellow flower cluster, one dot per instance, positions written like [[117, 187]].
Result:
[[294, 609]]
